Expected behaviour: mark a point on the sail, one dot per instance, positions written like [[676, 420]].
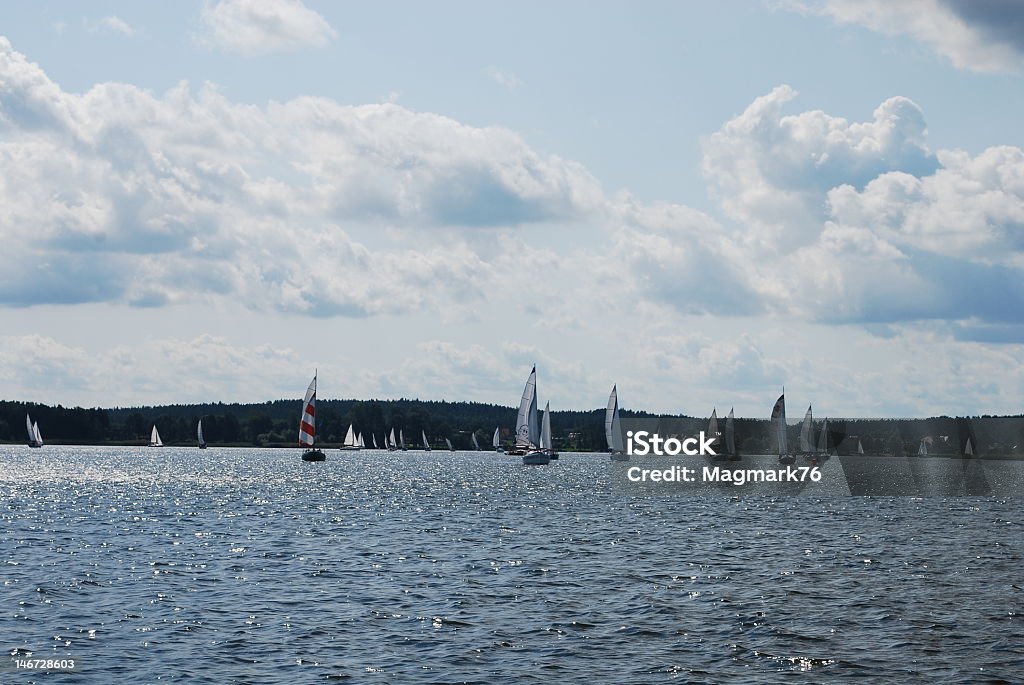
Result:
[[28, 427], [730, 434], [713, 424], [350, 437], [476, 445], [199, 432], [860, 447], [968, 448], [373, 437], [923, 448], [806, 441], [154, 438], [823, 439], [779, 419], [393, 444], [307, 425], [449, 443], [612, 430], [496, 441], [401, 438], [359, 440], [545, 428], [38, 437], [527, 430], [426, 445]]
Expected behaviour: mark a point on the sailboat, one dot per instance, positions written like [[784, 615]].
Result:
[[351, 443], [359, 439], [401, 439], [806, 441], [968, 448], [716, 437], [426, 445], [779, 423], [199, 435], [35, 438], [860, 447], [730, 437], [496, 440], [307, 426], [392, 445], [528, 427], [545, 433], [613, 429], [154, 438], [922, 449], [476, 444], [823, 439], [373, 437], [449, 443]]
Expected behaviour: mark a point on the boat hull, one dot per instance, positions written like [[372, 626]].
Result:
[[349, 448], [314, 455], [536, 459]]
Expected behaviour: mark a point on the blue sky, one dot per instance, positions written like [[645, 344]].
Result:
[[698, 201]]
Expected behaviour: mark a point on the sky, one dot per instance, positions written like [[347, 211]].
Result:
[[700, 202]]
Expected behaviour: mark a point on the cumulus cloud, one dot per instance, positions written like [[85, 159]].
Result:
[[125, 196], [257, 27], [978, 35]]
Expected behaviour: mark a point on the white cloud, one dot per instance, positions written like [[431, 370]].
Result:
[[111, 24], [504, 78], [257, 27], [979, 35]]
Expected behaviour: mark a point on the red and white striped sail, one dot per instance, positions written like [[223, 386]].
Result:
[[307, 426]]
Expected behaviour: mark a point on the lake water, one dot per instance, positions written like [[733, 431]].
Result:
[[237, 565]]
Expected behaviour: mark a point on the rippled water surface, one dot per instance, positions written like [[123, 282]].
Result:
[[233, 565]]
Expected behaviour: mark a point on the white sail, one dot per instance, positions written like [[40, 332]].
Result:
[[426, 445], [359, 439], [449, 443], [923, 448], [496, 440], [527, 428], [38, 437], [307, 424], [968, 448], [730, 434], [373, 437], [713, 424], [860, 447], [476, 444], [401, 438], [154, 438], [393, 445], [823, 439], [28, 427], [545, 429], [612, 427], [199, 433], [350, 438], [779, 420], [806, 441]]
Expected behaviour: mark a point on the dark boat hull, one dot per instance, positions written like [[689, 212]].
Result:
[[313, 455]]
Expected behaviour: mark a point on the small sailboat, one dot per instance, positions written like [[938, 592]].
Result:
[[496, 441], [528, 427], [860, 447], [359, 439], [713, 432], [401, 439], [426, 445], [35, 438], [823, 439], [351, 442], [806, 441], [476, 445], [545, 433], [154, 438], [779, 424], [922, 449], [968, 448], [613, 428], [307, 426], [730, 437], [199, 435], [373, 437], [392, 445], [449, 443]]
